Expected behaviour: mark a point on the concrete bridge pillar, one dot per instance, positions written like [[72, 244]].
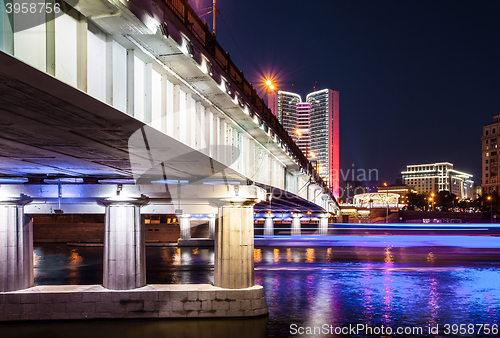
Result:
[[185, 225], [323, 224], [16, 245], [211, 226], [124, 244], [296, 224], [269, 226], [234, 245]]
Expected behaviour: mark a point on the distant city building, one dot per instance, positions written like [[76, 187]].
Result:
[[303, 129], [377, 200], [489, 180], [402, 190], [478, 192], [314, 125], [436, 177]]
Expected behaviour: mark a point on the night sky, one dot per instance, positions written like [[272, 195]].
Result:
[[417, 79]]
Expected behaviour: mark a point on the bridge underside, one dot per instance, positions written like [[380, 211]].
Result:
[[50, 129]]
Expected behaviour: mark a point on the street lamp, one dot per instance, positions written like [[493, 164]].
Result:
[[271, 89], [270, 85], [387, 201], [491, 209], [314, 160]]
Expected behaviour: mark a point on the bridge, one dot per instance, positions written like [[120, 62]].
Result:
[[126, 108]]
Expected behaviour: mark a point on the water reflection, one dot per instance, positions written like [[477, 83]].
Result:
[[171, 328], [276, 253], [309, 255], [257, 255], [306, 286], [382, 289]]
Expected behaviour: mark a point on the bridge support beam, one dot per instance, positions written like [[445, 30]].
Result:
[[234, 245], [124, 245], [323, 224], [16, 246], [269, 226], [295, 231], [185, 225]]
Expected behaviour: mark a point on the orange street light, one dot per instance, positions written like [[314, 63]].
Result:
[[270, 84], [491, 209]]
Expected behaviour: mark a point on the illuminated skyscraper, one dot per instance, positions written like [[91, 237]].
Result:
[[324, 130], [314, 125], [286, 111]]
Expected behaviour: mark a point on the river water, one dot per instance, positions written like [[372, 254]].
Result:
[[317, 291]]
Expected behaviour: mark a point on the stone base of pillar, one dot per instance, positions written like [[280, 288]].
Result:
[[151, 301]]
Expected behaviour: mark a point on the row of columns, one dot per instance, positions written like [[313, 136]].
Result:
[[296, 226], [124, 245]]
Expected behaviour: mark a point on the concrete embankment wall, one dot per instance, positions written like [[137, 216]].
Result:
[[151, 301]]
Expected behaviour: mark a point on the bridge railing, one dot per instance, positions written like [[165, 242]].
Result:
[[187, 15]]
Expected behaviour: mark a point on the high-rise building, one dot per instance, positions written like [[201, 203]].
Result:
[[436, 177], [314, 125], [286, 111], [324, 127], [490, 183], [303, 128]]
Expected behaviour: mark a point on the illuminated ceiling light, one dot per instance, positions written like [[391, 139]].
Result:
[[190, 49], [164, 30], [66, 180], [210, 69]]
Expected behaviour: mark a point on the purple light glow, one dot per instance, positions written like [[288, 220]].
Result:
[[402, 241]]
